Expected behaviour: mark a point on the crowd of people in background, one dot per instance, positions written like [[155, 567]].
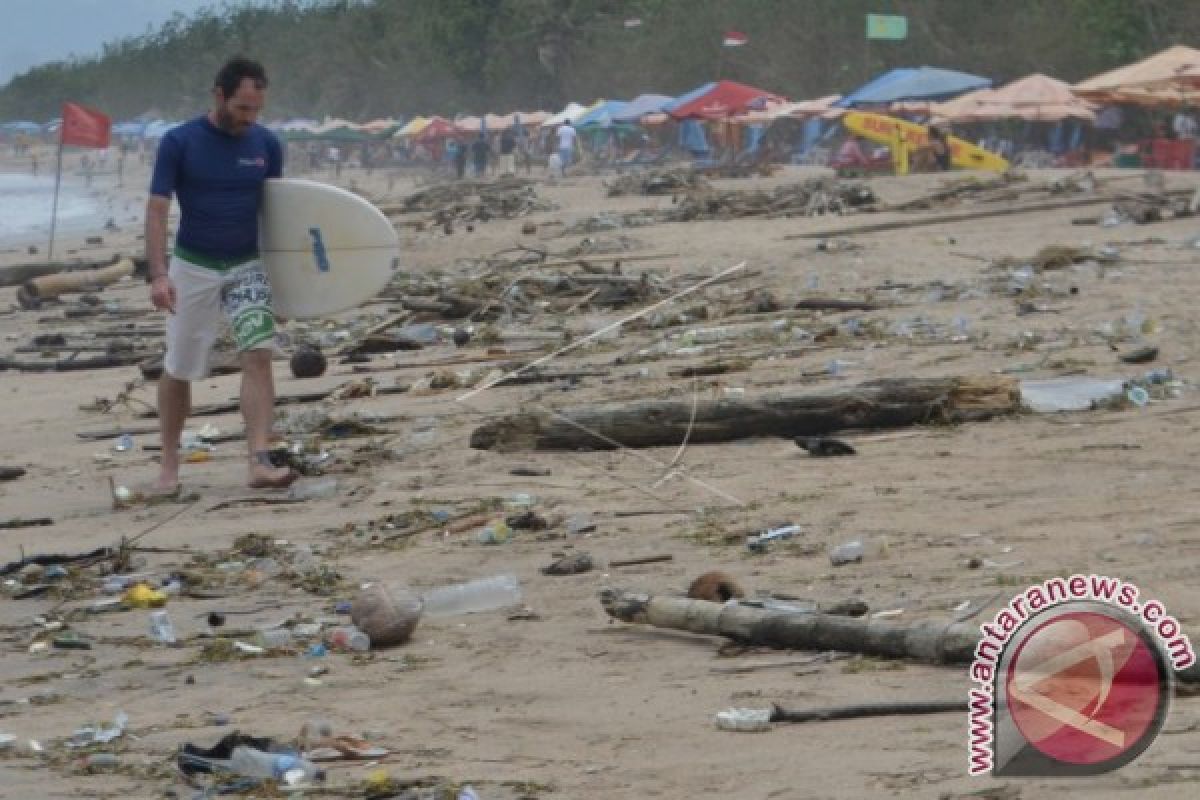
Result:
[[1121, 136]]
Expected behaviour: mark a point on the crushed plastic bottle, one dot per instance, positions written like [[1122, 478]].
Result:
[[849, 553], [1138, 396], [161, 628], [124, 443], [423, 332], [580, 523], [485, 594], [313, 489]]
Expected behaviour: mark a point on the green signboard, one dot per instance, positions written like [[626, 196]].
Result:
[[887, 26]]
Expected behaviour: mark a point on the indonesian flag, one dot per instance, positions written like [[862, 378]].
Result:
[[84, 127], [735, 39]]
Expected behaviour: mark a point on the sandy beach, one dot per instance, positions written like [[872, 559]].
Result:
[[560, 701]]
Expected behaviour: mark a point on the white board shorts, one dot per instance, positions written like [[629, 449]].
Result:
[[206, 300]]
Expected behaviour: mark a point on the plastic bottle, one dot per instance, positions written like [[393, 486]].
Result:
[[99, 760], [848, 553], [758, 542], [349, 637], [1138, 396], [275, 638], [744, 719], [286, 768], [314, 489], [486, 594]]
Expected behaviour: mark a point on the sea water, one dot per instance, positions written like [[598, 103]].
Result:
[[27, 202]]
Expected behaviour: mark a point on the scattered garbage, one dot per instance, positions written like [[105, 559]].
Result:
[[758, 543], [91, 735]]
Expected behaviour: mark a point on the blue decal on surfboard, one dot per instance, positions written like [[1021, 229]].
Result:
[[318, 250]]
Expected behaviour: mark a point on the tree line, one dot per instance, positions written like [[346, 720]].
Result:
[[372, 58]]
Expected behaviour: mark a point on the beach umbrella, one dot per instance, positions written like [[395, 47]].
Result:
[[913, 83], [722, 100], [602, 116], [572, 112], [1163, 79], [1035, 98], [642, 105]]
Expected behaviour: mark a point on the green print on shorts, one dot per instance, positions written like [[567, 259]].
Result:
[[246, 301]]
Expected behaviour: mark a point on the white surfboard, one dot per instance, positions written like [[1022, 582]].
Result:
[[324, 249]]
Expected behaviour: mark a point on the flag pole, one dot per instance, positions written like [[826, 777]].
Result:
[[57, 183]]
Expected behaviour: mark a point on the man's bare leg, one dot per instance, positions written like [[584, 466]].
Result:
[[258, 412], [174, 403]]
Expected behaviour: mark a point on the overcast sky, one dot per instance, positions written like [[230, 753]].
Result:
[[36, 31]]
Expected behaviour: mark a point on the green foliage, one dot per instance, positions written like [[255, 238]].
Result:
[[368, 58]]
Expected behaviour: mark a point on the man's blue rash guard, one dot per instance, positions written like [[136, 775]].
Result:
[[218, 179]]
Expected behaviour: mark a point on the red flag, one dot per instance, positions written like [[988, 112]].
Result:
[[735, 39], [84, 127]]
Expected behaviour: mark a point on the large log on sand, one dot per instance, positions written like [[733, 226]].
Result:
[[932, 641], [17, 274], [33, 291], [877, 404]]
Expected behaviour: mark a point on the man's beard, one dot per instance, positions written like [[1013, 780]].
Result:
[[227, 123]]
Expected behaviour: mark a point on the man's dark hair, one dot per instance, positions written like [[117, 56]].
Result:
[[236, 70]]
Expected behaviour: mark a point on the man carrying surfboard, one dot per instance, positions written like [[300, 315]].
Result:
[[216, 165]]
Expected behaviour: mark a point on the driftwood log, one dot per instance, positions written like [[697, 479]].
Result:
[[931, 642], [45, 287], [107, 361], [876, 404], [21, 273], [928, 641]]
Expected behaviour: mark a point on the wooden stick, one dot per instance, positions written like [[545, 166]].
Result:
[[742, 669], [570, 262], [19, 522], [825, 304], [867, 710], [632, 562], [942, 219]]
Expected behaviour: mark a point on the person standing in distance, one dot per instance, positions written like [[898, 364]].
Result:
[[215, 165], [568, 140]]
